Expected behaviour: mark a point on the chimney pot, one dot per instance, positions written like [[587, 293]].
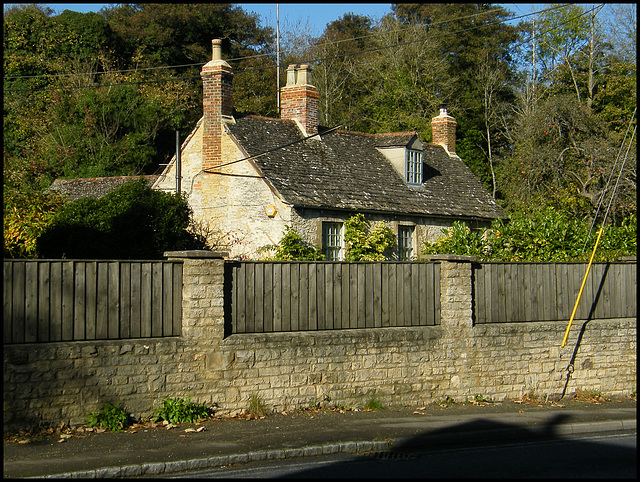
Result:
[[216, 45], [291, 74], [304, 75]]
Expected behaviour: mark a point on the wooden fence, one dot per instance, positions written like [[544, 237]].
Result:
[[308, 296], [513, 292], [46, 300]]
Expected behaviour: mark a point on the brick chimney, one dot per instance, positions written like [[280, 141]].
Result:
[[299, 99], [443, 130], [217, 90]]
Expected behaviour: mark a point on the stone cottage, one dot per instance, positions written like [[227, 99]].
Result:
[[248, 177]]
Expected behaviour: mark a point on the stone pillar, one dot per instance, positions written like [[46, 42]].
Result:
[[456, 320], [202, 295]]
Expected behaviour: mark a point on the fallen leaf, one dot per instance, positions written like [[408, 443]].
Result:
[[24, 441], [65, 435], [61, 440], [189, 430], [170, 426], [200, 429]]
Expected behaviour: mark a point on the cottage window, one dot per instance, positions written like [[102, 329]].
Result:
[[332, 241], [413, 166], [405, 243]]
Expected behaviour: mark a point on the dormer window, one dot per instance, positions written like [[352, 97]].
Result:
[[413, 166]]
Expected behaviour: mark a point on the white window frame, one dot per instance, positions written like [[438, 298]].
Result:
[[332, 241], [406, 243], [413, 166]]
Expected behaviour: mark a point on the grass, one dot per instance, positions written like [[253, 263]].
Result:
[[594, 396], [373, 404], [257, 407]]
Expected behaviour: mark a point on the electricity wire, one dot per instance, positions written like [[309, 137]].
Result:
[[613, 169], [584, 280], [253, 69]]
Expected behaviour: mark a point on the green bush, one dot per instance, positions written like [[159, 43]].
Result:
[[132, 222], [177, 410], [367, 243], [291, 247], [546, 235], [110, 417]]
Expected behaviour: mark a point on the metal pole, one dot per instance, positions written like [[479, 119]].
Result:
[[178, 163], [584, 281], [278, 56]]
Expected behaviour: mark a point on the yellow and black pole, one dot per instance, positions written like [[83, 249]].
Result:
[[575, 307], [584, 282]]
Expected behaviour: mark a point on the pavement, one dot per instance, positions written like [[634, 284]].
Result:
[[145, 450]]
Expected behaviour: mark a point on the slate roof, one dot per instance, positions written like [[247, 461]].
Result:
[[93, 186], [345, 171]]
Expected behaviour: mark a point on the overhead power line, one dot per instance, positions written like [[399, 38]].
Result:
[[253, 69]]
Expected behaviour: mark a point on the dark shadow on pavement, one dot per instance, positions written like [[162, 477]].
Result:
[[481, 449]]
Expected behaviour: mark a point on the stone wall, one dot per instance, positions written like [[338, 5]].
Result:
[[59, 382]]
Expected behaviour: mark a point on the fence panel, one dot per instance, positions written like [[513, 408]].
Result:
[[310, 296], [46, 300], [520, 292]]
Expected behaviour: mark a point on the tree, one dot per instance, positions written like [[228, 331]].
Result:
[[336, 73], [103, 94], [132, 222], [458, 34], [25, 218]]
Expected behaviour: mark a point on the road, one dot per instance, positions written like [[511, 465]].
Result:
[[589, 456]]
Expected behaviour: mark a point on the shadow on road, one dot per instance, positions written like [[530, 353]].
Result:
[[481, 448]]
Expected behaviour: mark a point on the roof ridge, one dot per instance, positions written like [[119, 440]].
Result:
[[262, 117], [377, 134], [108, 177]]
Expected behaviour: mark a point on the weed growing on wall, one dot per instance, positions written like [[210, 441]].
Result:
[[373, 404], [177, 410], [257, 407], [109, 417]]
